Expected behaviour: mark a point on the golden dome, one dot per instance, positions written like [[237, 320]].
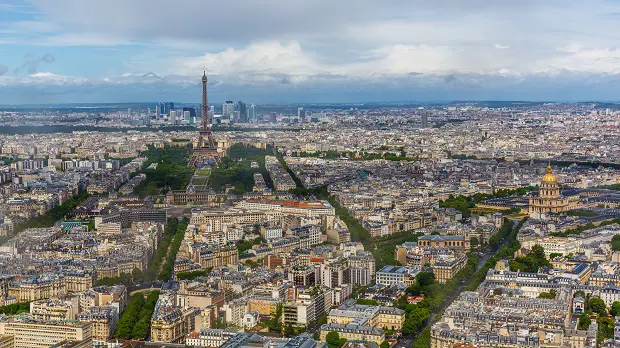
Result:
[[549, 177]]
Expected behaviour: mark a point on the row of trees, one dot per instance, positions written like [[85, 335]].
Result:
[[172, 172], [125, 278], [502, 233], [171, 256], [189, 275], [297, 181], [51, 216], [507, 251], [464, 204], [15, 308], [162, 248], [436, 295], [588, 226], [383, 247], [357, 231], [357, 156], [135, 323]]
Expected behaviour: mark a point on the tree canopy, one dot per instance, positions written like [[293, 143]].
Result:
[[333, 340]]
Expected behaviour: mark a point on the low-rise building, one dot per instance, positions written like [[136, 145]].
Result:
[[31, 333], [103, 320]]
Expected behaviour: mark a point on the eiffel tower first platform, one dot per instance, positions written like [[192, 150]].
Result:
[[205, 153]]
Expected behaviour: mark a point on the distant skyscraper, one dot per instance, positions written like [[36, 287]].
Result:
[[301, 114], [243, 112], [173, 117], [425, 119], [227, 110], [273, 117], [252, 113], [162, 110], [157, 110], [168, 107], [192, 115]]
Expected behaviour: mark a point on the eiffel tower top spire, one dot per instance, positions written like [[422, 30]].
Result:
[[205, 108]]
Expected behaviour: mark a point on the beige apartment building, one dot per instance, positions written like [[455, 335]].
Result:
[[42, 334]]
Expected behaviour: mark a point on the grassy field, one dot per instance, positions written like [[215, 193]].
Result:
[[199, 181], [172, 172], [236, 169]]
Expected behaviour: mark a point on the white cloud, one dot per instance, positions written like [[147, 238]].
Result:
[[580, 59], [263, 58], [270, 60], [46, 75], [253, 44]]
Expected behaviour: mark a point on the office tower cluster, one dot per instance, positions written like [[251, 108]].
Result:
[[166, 113]]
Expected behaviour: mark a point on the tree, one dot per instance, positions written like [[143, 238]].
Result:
[[414, 289], [548, 295], [538, 252], [473, 241], [288, 331], [584, 322], [615, 242], [136, 274], [605, 328], [384, 344], [333, 340], [15, 308], [554, 255], [497, 291], [425, 279], [275, 324], [615, 308], [531, 262], [598, 306], [141, 329]]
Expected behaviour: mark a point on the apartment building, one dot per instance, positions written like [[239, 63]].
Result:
[[32, 333]]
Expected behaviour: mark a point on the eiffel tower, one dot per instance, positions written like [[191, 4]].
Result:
[[205, 152]]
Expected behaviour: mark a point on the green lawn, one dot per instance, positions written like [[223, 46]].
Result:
[[172, 172], [236, 169]]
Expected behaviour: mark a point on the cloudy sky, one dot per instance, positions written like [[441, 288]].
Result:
[[57, 51]]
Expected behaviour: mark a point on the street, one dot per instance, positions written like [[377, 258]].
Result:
[[407, 341]]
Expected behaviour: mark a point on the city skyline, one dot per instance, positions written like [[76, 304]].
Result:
[[283, 53], [309, 174], [392, 226]]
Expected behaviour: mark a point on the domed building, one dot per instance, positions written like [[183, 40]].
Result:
[[550, 199]]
